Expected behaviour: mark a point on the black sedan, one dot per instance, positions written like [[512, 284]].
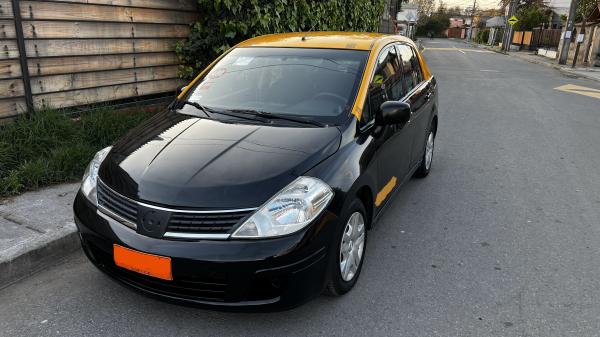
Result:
[[258, 185]]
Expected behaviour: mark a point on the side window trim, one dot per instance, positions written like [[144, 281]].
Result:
[[417, 66], [378, 56], [371, 122]]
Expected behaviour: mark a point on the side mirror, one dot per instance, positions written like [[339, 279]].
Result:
[[393, 112]]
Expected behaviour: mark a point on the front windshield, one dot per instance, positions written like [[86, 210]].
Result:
[[314, 83]]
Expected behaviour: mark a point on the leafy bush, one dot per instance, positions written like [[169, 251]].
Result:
[[531, 16], [47, 147], [483, 35], [224, 23]]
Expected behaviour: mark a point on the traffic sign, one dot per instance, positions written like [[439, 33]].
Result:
[[512, 20]]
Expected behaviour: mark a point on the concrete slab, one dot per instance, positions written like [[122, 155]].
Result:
[[36, 228]]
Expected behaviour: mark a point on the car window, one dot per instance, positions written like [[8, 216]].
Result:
[[386, 84], [318, 83], [410, 68]]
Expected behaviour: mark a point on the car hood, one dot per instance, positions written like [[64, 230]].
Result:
[[183, 161]]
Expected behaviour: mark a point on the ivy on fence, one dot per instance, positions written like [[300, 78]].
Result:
[[224, 23]]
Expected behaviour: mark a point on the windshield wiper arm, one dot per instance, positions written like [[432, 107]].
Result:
[[269, 115], [207, 111], [195, 105]]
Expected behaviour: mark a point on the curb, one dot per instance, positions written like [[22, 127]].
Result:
[[556, 67], [37, 255]]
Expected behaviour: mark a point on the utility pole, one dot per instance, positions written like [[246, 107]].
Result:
[[508, 29], [564, 52], [472, 18]]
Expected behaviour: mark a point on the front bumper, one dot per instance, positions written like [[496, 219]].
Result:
[[272, 274]]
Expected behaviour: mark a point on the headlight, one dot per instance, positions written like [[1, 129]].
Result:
[[90, 177], [290, 210]]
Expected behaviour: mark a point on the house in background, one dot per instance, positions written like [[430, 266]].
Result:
[[496, 26], [406, 19], [556, 18], [388, 19], [559, 8], [457, 28]]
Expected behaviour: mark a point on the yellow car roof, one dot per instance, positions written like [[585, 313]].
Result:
[[333, 40]]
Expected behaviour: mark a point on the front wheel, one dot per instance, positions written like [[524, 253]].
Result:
[[347, 257], [427, 160]]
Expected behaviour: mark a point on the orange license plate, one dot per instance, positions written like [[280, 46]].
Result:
[[143, 263]]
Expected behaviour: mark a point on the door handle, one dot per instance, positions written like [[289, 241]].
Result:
[[428, 96]]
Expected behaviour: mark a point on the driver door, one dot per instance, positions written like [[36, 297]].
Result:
[[393, 155]]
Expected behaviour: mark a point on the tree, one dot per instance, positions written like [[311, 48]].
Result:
[[455, 11], [585, 9], [531, 16], [436, 23], [425, 7]]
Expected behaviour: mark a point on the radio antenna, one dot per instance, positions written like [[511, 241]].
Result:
[[310, 30]]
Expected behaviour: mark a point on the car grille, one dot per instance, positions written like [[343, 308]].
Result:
[[204, 223], [125, 209], [184, 222]]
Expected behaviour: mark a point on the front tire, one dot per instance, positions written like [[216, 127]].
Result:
[[349, 249], [425, 168]]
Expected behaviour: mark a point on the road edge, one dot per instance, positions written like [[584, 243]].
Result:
[[38, 255]]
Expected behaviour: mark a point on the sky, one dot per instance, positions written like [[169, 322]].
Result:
[[487, 4]]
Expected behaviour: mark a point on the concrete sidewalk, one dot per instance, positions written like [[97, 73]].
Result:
[[36, 229]]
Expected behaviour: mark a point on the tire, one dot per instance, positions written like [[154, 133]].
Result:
[[341, 282], [427, 160]]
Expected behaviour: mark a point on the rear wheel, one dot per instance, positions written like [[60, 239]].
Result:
[[347, 257], [427, 160]]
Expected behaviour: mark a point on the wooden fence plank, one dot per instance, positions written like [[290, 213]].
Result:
[[7, 29], [12, 107], [77, 64], [161, 4], [96, 95], [43, 10], [85, 30], [54, 83], [44, 48], [11, 88], [8, 49], [10, 68], [6, 11]]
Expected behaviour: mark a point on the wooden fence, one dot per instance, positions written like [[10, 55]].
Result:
[[77, 52]]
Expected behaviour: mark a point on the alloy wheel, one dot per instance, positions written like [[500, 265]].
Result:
[[429, 151], [352, 246]]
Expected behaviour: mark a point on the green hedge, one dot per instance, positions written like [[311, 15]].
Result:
[[224, 23], [47, 147]]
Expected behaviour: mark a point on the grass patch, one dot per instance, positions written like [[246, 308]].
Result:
[[48, 147]]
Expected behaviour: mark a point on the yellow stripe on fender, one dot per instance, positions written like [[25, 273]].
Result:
[[385, 191]]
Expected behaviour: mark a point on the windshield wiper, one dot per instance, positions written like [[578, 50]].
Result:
[[195, 105], [207, 111], [269, 115]]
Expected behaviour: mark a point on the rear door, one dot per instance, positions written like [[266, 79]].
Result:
[[418, 94]]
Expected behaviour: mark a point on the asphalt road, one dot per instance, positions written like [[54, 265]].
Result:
[[502, 239]]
